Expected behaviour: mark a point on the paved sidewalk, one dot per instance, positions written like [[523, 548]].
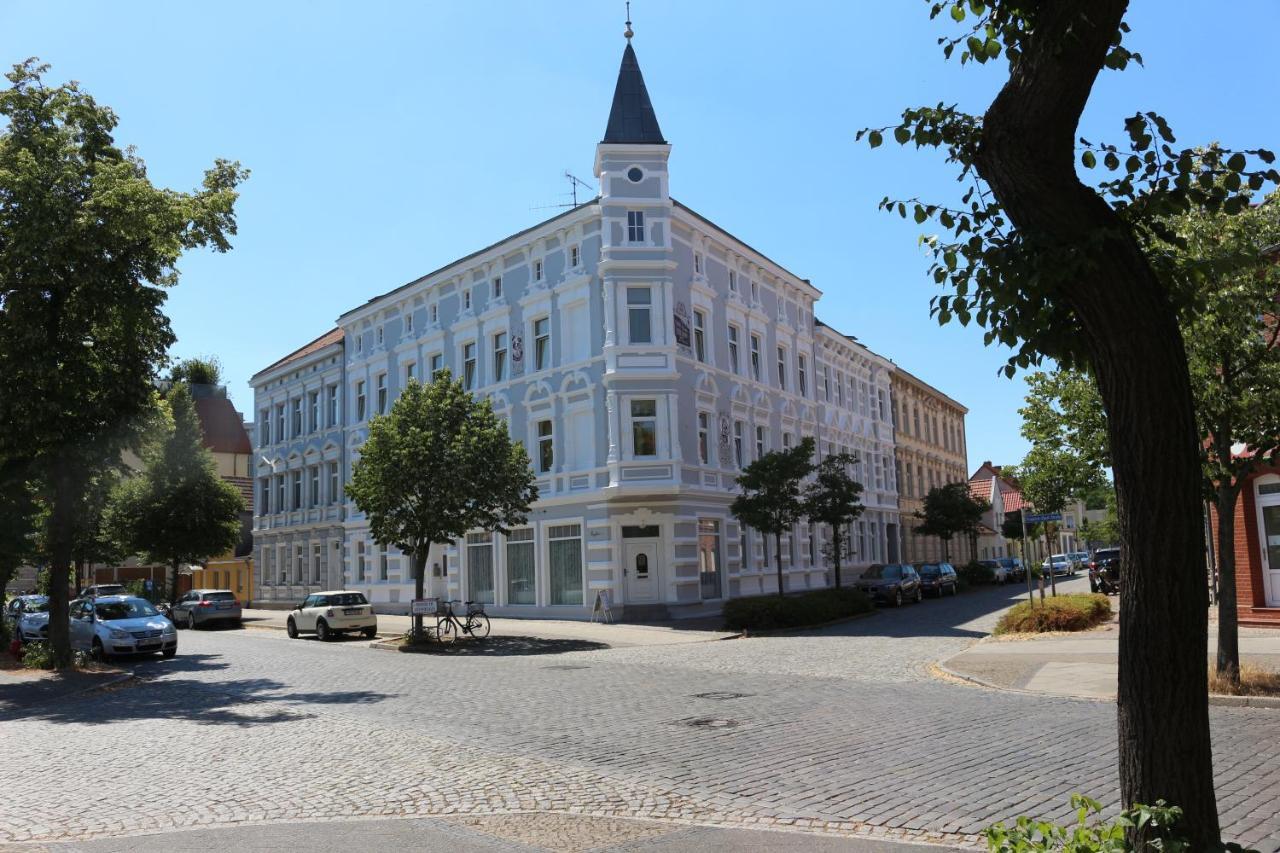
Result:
[[1083, 665], [613, 635]]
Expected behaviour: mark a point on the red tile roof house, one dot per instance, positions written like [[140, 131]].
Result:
[[1257, 546], [990, 485]]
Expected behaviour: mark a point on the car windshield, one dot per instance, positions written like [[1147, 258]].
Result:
[[1108, 554], [1059, 558], [347, 599], [1006, 561], [928, 569], [130, 608], [36, 605], [219, 596], [991, 564]]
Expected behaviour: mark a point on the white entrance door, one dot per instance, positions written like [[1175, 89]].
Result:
[[1269, 532], [640, 566]]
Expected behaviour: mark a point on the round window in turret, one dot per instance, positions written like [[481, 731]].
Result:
[[635, 175]]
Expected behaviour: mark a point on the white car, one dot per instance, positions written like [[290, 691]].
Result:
[[328, 614], [29, 615], [121, 625], [1063, 564]]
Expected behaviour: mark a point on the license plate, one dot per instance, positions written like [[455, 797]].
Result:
[[351, 611], [148, 647], [224, 605]]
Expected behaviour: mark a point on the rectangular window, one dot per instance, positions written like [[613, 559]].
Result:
[[755, 291], [410, 372], [334, 488], [469, 365], [521, 586], [644, 428], [733, 281], [480, 567], [697, 262], [542, 343], [497, 287], [760, 441], [299, 564], [782, 368], [408, 322], [466, 299], [264, 505], [379, 336], [699, 336], [635, 226], [264, 427], [755, 357], [333, 405], [360, 567], [382, 567], [733, 348], [360, 342], [640, 315], [281, 505], [709, 557], [297, 490], [564, 545], [537, 270], [435, 313], [737, 441], [704, 438], [313, 406], [826, 383], [315, 485], [360, 401], [786, 441], [880, 402], [280, 422], [546, 447], [575, 257], [839, 389], [802, 374], [382, 393], [437, 365], [315, 563], [499, 356]]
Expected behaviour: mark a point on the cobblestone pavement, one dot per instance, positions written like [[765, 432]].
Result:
[[840, 732]]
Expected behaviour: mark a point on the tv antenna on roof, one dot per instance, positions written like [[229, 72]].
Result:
[[574, 183]]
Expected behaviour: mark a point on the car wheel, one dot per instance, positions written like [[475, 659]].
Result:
[[919, 595], [955, 590], [168, 653], [322, 631], [291, 629], [98, 652], [191, 621], [897, 598], [370, 633]]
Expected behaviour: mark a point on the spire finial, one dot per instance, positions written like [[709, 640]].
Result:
[[628, 33]]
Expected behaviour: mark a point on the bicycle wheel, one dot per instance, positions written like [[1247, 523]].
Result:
[[478, 625], [445, 631]]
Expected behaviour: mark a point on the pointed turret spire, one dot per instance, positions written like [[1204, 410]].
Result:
[[632, 119]]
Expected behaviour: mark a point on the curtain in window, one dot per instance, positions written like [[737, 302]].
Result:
[[480, 572], [520, 573], [566, 571]]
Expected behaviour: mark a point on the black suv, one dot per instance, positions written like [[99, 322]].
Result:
[[937, 579], [1104, 571], [892, 583]]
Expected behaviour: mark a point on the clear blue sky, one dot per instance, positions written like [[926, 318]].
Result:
[[387, 139]]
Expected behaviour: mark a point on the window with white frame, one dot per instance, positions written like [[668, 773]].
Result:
[[297, 490], [313, 406], [542, 343], [640, 315], [264, 427], [334, 488], [704, 438], [360, 400], [469, 365], [700, 335], [281, 505], [466, 299], [697, 262], [408, 321], [786, 441], [782, 368], [383, 573], [379, 335], [755, 357], [280, 434], [382, 393], [360, 560], [635, 226], [435, 312], [755, 291], [316, 553], [802, 374], [410, 371], [575, 257], [496, 287], [437, 365], [480, 567], [564, 549], [880, 402], [546, 447], [315, 485], [360, 342], [499, 356], [761, 441], [333, 405], [644, 428], [733, 281], [537, 270], [733, 348], [282, 564], [521, 581], [299, 564], [826, 383], [738, 428], [264, 499]]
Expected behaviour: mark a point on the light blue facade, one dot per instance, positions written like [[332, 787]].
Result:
[[643, 355]]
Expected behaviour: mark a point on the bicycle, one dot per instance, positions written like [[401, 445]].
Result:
[[474, 624]]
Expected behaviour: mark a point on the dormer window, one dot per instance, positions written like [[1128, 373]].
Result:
[[497, 287], [635, 226], [537, 270], [466, 300], [575, 256]]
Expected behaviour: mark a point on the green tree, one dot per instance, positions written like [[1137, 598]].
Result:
[[950, 510], [178, 510], [197, 371], [834, 498], [1063, 409], [439, 465], [1053, 267], [87, 247], [772, 498], [19, 512]]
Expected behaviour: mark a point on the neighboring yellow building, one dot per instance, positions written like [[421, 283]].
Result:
[[931, 451]]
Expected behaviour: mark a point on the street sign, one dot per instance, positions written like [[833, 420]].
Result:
[[1047, 516], [423, 607]]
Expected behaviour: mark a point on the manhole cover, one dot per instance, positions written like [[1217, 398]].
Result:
[[721, 694], [566, 666], [710, 723]]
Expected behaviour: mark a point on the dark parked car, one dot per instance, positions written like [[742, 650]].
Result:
[[1104, 571], [937, 579], [892, 583], [1014, 568], [202, 606]]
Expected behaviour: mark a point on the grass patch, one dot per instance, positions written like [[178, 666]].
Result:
[[1076, 612], [776, 613], [1254, 681]]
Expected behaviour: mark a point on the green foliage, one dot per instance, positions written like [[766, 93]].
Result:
[[18, 514], [950, 510], [772, 498], [775, 613], [38, 656], [178, 510], [1051, 477], [834, 498], [976, 574], [1074, 612], [1063, 409], [197, 371], [1158, 824], [439, 465]]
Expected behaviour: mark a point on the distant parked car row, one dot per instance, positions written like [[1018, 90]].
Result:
[[897, 583], [1005, 569]]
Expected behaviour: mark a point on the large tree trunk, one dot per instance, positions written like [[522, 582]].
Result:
[[777, 541], [1131, 334], [419, 583], [1228, 662], [61, 525]]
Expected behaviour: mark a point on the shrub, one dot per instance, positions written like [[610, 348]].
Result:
[[1091, 834], [976, 574], [1076, 612], [37, 656], [773, 612]]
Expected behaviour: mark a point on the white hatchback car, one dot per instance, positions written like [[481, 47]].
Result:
[[327, 614]]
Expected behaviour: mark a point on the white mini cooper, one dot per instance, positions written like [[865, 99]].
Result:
[[327, 614]]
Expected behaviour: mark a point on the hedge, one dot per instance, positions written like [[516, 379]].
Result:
[[774, 612], [1075, 612]]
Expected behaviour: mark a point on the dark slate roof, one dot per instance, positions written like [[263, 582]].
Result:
[[632, 119]]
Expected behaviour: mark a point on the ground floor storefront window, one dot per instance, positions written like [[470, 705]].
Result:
[[480, 567], [521, 586], [564, 547], [709, 557]]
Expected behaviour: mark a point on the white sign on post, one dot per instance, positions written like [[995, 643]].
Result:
[[603, 607], [423, 607]]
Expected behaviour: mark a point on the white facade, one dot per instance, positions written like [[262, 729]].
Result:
[[642, 354]]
